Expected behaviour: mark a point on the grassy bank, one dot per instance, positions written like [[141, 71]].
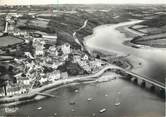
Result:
[[157, 40], [154, 31]]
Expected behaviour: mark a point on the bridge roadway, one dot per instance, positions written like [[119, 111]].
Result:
[[151, 81]]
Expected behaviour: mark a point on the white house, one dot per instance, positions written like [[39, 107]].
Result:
[[43, 80], [76, 59], [66, 48], [65, 57], [55, 65], [39, 49], [85, 57], [25, 81], [53, 50], [64, 75], [28, 54], [54, 76], [50, 37]]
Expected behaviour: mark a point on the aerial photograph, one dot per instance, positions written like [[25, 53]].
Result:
[[82, 58]]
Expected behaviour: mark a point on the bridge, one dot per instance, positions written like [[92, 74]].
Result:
[[143, 78], [151, 81]]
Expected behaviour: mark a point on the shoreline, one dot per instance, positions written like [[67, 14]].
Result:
[[138, 61], [32, 96], [155, 43], [121, 29]]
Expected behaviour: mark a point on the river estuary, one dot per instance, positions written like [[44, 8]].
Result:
[[133, 100], [153, 60]]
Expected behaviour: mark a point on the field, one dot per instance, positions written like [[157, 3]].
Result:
[[157, 40], [68, 18], [154, 30], [9, 40], [64, 20]]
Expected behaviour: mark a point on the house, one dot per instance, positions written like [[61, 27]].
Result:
[[29, 67], [56, 64], [12, 90], [76, 59], [85, 66], [66, 48], [10, 28], [28, 54], [49, 39], [85, 57], [64, 75], [53, 51], [22, 80], [52, 48], [18, 88], [82, 63], [36, 41], [54, 76], [39, 49], [99, 63], [48, 60], [65, 57], [26, 81], [43, 80], [8, 17]]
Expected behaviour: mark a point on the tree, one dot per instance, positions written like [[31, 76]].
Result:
[[7, 75]]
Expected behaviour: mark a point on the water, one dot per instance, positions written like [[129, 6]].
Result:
[[153, 59], [133, 102]]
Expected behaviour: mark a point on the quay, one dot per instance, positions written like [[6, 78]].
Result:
[[46, 94]]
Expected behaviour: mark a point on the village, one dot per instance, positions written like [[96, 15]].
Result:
[[39, 61]]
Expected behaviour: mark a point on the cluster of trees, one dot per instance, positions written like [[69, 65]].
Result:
[[6, 76], [72, 69]]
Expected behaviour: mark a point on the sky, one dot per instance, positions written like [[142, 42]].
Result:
[[23, 2]]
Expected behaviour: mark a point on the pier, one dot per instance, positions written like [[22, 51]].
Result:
[[46, 94]]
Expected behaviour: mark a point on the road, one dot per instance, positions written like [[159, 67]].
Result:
[[153, 82]]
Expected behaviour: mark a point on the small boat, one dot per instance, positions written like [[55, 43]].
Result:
[[117, 104], [89, 99], [102, 110], [76, 91], [106, 95], [73, 110], [39, 108]]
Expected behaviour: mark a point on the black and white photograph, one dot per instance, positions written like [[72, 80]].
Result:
[[82, 58]]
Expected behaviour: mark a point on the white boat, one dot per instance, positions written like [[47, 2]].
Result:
[[117, 104], [89, 99], [102, 110], [39, 108]]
